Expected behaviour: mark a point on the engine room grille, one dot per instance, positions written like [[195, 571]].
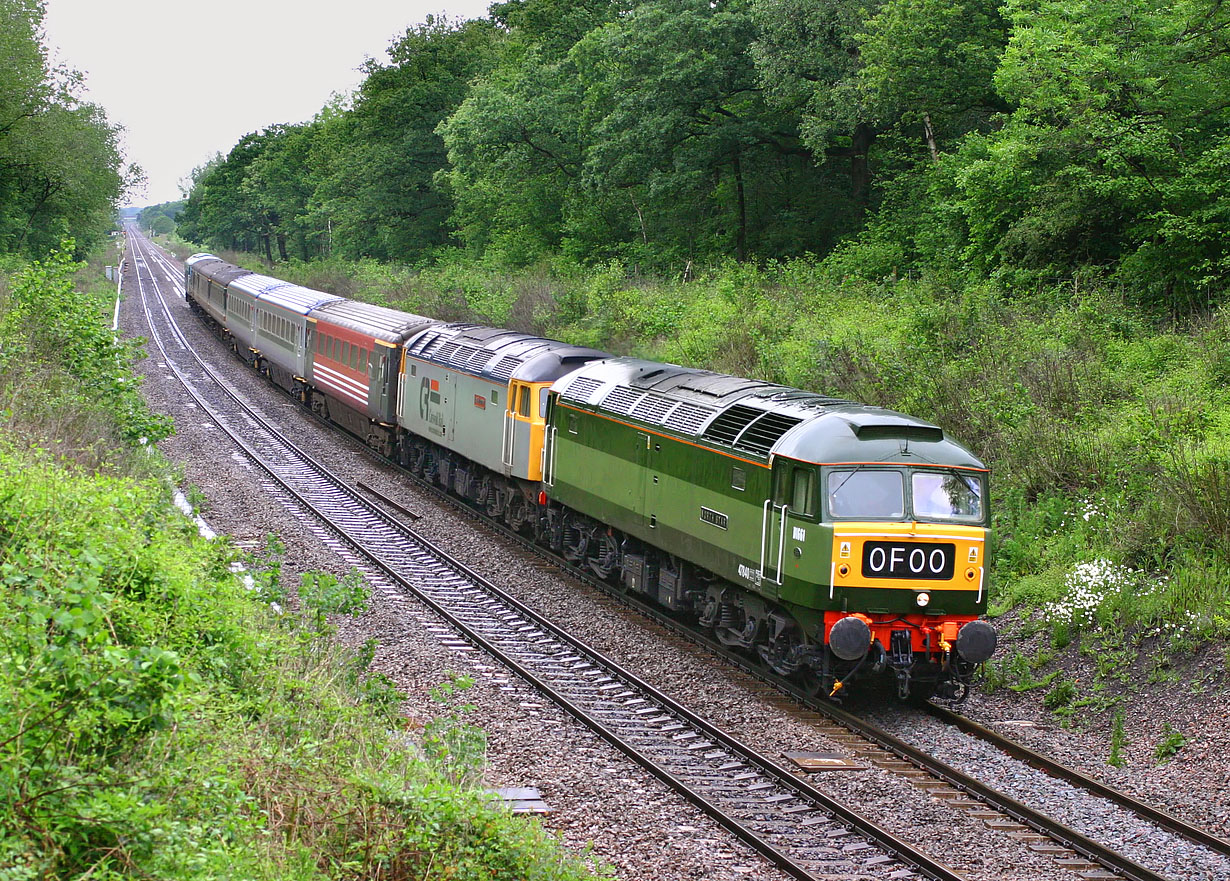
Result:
[[652, 408], [580, 389], [689, 418], [622, 400], [762, 434], [504, 369], [444, 353], [477, 361], [728, 426]]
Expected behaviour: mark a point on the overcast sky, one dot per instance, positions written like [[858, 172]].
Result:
[[187, 80]]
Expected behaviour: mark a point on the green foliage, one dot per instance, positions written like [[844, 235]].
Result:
[[61, 170], [456, 748], [1118, 741], [1034, 143], [160, 219], [156, 720], [70, 378], [1168, 747], [325, 594], [1060, 696]]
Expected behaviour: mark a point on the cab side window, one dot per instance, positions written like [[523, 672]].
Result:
[[803, 492], [523, 401]]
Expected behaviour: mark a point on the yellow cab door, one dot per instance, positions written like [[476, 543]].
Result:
[[523, 430]]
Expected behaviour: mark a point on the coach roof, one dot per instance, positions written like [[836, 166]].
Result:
[[390, 325]]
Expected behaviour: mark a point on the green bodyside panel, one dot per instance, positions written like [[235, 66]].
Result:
[[681, 497]]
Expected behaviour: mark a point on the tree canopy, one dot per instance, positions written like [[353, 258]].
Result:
[[61, 168], [1031, 140]]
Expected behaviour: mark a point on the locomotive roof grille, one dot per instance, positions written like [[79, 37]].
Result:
[[477, 359], [580, 389], [504, 369], [763, 433], [622, 399], [730, 424], [689, 418], [652, 408], [445, 351]]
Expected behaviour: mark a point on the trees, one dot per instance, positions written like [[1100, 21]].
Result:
[[381, 192], [1116, 152], [60, 163], [1030, 140]]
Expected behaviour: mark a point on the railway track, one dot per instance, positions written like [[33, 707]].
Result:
[[796, 826], [1070, 849]]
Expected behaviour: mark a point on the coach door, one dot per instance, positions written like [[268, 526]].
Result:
[[379, 373]]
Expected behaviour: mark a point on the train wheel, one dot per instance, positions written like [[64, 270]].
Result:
[[575, 538], [605, 556], [517, 514]]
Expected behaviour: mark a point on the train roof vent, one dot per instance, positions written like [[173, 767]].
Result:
[[761, 435], [622, 399], [504, 369], [652, 408], [730, 424], [478, 360], [460, 356], [688, 418], [444, 352], [922, 433], [580, 389], [423, 343]]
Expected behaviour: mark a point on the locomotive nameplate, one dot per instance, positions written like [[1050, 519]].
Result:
[[909, 560], [712, 517]]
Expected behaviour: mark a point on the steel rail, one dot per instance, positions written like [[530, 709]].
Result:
[[1070, 775]]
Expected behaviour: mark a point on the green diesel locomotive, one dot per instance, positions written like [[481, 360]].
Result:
[[833, 539]]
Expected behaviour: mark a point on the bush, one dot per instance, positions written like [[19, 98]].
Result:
[[158, 720], [64, 375]]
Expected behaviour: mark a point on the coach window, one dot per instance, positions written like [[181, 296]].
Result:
[[354, 357]]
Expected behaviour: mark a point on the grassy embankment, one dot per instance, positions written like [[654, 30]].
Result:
[[160, 718], [1107, 429]]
